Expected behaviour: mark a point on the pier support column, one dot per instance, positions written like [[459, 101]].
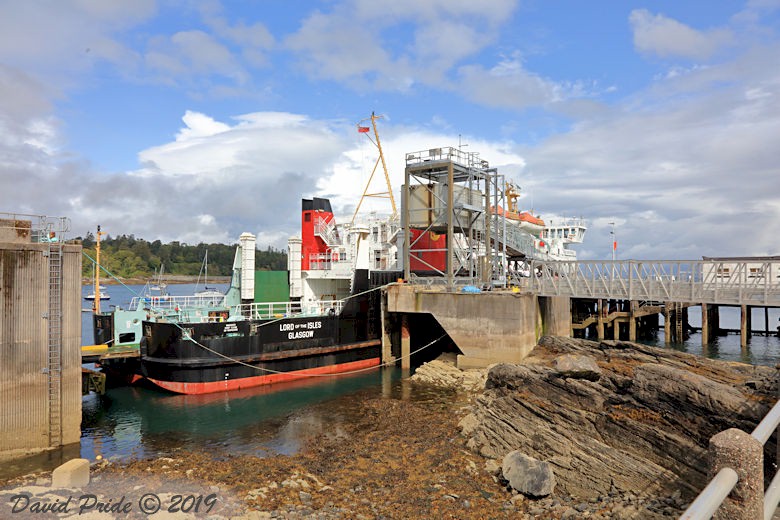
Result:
[[387, 344], [615, 329], [667, 323], [632, 320], [710, 323], [600, 320], [555, 312], [406, 343], [766, 321], [744, 325]]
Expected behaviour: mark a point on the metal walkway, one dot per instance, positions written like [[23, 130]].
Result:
[[722, 283]]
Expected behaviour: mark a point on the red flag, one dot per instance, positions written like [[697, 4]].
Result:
[[614, 245], [363, 129]]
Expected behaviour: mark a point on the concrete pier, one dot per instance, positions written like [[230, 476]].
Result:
[[487, 328], [40, 338]]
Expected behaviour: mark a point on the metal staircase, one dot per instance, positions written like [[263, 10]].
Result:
[[54, 362], [327, 231]]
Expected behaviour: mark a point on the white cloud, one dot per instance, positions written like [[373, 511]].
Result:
[[507, 84], [199, 125], [57, 37], [362, 40], [666, 37], [189, 54]]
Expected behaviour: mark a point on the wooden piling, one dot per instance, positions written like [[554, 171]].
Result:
[[667, 323], [600, 321], [405, 343]]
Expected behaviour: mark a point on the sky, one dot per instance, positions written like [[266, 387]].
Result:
[[198, 120]]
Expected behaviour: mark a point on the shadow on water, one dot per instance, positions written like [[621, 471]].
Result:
[[137, 422]]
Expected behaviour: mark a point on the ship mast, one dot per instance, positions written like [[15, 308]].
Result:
[[96, 300], [383, 194]]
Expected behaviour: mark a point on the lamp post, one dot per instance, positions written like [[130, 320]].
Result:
[[614, 240]]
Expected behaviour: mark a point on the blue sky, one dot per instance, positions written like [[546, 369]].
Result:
[[197, 120]]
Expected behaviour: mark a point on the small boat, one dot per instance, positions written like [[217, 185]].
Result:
[[207, 292], [156, 290], [103, 296]]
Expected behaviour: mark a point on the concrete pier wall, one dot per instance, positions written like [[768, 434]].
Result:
[[489, 327], [24, 347], [555, 314]]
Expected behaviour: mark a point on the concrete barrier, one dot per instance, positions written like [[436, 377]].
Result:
[[72, 474]]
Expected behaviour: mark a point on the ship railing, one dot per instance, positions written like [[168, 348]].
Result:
[[330, 260], [447, 153], [176, 302], [566, 222], [272, 310]]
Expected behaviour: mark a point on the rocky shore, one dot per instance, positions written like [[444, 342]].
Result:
[[611, 430]]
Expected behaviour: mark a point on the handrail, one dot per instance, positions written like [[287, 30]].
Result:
[[768, 424], [712, 496], [270, 310]]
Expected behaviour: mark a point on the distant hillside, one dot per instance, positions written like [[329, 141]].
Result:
[[128, 257]]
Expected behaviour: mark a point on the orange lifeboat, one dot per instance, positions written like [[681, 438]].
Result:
[[525, 219]]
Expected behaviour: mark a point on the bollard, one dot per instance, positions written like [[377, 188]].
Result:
[[738, 450]]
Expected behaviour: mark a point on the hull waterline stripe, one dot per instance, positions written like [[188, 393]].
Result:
[[248, 382]]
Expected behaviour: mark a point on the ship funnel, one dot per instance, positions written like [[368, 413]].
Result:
[[247, 241]]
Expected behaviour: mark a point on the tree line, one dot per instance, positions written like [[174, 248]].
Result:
[[128, 257]]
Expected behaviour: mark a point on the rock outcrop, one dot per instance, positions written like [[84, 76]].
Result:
[[443, 372], [633, 419]]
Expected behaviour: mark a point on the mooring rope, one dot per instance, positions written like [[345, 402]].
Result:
[[239, 362]]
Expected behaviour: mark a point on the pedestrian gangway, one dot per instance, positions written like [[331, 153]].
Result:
[[701, 281], [517, 241]]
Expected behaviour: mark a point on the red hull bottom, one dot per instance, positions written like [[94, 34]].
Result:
[[249, 382]]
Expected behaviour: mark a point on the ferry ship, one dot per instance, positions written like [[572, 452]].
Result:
[[329, 324]]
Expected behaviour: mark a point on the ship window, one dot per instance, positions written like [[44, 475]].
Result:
[[127, 337], [307, 217]]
